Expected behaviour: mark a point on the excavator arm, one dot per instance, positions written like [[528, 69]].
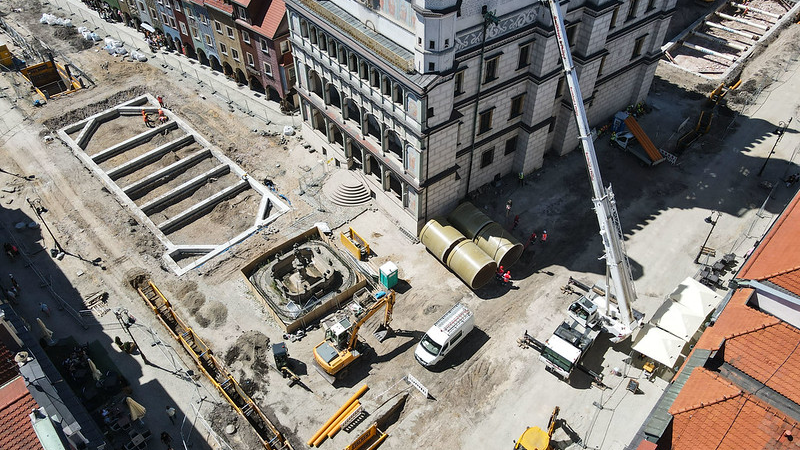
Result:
[[388, 301]]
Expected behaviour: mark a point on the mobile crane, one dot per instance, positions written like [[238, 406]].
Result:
[[333, 355], [613, 311]]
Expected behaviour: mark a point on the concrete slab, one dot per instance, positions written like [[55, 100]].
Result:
[[143, 160], [148, 181]]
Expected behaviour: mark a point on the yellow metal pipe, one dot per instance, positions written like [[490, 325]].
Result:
[[337, 424], [355, 397]]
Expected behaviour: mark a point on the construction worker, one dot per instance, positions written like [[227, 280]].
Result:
[[162, 119], [516, 222], [521, 178], [507, 277], [544, 236], [160, 100], [146, 119]]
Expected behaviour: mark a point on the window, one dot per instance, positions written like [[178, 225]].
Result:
[[516, 106], [511, 146], [485, 121], [602, 65], [195, 32], [524, 59], [651, 5], [572, 33], [490, 70], [446, 43], [209, 41], [153, 14], [229, 30], [189, 12], [292, 76], [419, 41], [250, 61], [268, 70], [160, 2], [183, 28], [141, 6], [245, 37], [431, 67], [218, 27], [265, 46], [223, 49], [632, 10], [242, 12], [204, 19], [178, 5], [459, 83], [172, 23], [432, 45], [430, 112], [164, 19], [560, 87], [235, 54], [637, 47], [614, 17], [285, 47], [487, 157]]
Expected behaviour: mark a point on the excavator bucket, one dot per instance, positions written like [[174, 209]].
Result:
[[382, 332]]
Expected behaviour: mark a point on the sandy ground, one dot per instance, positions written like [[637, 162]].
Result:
[[489, 390]]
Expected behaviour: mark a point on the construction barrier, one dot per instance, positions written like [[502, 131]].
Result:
[[270, 437], [355, 244]]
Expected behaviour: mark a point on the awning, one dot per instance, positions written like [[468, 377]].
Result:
[[676, 321], [658, 345], [147, 27]]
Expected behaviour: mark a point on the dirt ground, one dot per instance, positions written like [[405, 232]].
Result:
[[490, 389]]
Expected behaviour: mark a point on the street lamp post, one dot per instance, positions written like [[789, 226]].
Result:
[[779, 131], [710, 219]]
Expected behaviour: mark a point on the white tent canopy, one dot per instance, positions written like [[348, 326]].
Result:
[[676, 321], [658, 344]]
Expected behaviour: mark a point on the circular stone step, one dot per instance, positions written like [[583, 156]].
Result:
[[345, 189]]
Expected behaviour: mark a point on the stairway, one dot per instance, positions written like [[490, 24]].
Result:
[[345, 189]]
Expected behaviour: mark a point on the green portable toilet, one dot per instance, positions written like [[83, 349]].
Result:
[[389, 275]]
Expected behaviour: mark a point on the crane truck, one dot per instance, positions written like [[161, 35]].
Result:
[[340, 347], [609, 312]]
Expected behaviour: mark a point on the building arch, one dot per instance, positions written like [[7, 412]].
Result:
[[201, 56], [241, 78], [255, 84], [315, 83], [227, 69], [373, 127], [334, 99], [394, 144], [353, 111], [215, 65]]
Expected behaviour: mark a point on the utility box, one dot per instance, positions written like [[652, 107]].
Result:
[[389, 275]]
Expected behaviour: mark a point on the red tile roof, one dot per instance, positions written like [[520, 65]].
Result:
[[770, 355], [778, 255], [725, 420], [16, 403], [267, 21], [736, 318], [219, 5]]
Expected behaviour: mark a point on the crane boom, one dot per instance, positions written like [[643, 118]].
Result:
[[620, 321]]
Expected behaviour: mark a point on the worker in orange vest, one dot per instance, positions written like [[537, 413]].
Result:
[[146, 119]]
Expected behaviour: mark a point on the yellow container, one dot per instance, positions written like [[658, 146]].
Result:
[[468, 219], [499, 244], [471, 264], [440, 237]]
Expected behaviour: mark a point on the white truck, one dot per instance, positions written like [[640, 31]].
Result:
[[563, 351], [444, 335]]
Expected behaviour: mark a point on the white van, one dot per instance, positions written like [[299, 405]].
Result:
[[445, 334]]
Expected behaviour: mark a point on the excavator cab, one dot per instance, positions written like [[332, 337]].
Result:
[[535, 438]]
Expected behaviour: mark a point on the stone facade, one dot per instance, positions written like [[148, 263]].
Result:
[[430, 102]]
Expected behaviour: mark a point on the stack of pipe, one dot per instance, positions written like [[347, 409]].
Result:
[[334, 424]]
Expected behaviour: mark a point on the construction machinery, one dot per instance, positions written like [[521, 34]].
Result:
[[282, 362], [535, 438], [340, 347], [614, 309]]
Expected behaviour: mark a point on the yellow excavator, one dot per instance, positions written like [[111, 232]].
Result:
[[535, 438], [333, 355]]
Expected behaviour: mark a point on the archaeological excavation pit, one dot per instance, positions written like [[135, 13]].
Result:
[[188, 193], [302, 279]]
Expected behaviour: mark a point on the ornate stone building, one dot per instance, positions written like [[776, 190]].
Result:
[[432, 99]]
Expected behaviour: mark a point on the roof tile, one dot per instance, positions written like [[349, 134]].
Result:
[[16, 403], [779, 251]]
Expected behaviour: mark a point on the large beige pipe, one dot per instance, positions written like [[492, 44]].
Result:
[[333, 418], [499, 244], [468, 219], [440, 237], [337, 424], [471, 264]]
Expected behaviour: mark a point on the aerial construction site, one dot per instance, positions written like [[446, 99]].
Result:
[[190, 236]]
